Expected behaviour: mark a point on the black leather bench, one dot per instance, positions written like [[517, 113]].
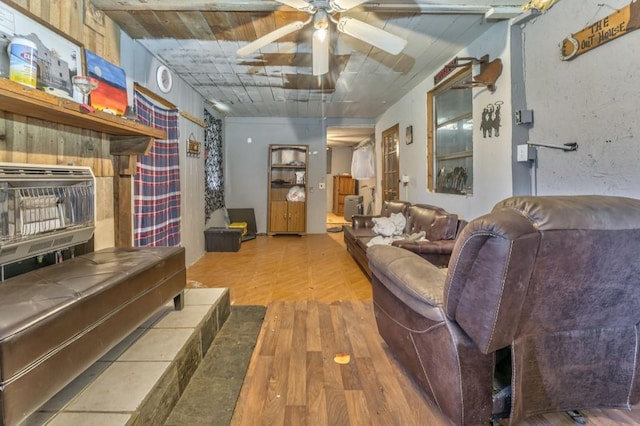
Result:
[[57, 321]]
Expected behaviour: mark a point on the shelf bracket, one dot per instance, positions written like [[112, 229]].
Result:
[[130, 145]]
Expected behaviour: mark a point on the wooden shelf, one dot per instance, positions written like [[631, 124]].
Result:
[[289, 166], [18, 99]]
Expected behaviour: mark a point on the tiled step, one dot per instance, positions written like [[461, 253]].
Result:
[[141, 379]]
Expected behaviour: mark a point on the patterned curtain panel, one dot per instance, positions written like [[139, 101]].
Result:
[[214, 178], [157, 180]]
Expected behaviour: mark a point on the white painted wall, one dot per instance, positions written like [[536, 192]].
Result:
[[140, 66], [246, 164], [492, 156], [591, 100]]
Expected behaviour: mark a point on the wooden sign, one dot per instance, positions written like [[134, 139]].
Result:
[[611, 27], [445, 71]]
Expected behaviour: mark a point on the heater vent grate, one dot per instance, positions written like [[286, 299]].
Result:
[[44, 208]]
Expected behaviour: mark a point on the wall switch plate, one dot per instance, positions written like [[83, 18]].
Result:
[[321, 185], [525, 153]]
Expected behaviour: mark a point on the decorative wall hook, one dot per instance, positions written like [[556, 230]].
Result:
[[193, 146], [469, 60], [488, 75], [567, 147]]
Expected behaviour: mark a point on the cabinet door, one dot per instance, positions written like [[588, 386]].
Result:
[[297, 217], [336, 195], [278, 216], [347, 185]]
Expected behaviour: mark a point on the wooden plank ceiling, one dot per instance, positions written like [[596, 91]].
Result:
[[198, 40]]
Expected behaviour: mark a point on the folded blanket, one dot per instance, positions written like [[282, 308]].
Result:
[[380, 240], [389, 226]]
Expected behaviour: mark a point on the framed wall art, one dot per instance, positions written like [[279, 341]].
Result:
[[408, 137], [111, 94], [60, 57]]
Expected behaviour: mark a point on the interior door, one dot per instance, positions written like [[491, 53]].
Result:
[[390, 163]]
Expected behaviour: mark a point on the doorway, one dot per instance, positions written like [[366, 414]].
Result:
[[341, 142]]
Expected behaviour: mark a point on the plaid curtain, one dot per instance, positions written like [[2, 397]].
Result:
[[213, 171], [157, 180]]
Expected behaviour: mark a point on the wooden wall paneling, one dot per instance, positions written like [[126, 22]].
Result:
[[71, 148], [94, 41], [90, 151], [41, 137], [40, 8], [23, 3], [106, 158], [94, 18], [17, 138], [75, 9], [56, 12], [111, 48]]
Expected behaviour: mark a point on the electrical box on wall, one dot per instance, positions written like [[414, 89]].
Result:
[[523, 116], [525, 153]]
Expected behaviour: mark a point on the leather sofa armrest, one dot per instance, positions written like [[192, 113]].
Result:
[[426, 247], [416, 282], [362, 221]]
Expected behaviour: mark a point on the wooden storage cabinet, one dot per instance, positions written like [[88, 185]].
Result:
[[343, 185], [287, 217], [287, 206]]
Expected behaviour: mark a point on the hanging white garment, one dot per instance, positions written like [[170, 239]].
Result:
[[362, 164]]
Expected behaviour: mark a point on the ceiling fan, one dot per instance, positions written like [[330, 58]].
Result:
[[321, 13]]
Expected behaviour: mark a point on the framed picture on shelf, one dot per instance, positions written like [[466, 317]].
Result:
[[111, 94], [408, 138], [59, 56]]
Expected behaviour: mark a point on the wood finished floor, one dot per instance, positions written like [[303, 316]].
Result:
[[319, 304], [284, 268]]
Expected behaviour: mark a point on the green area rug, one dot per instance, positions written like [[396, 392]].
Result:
[[211, 395]]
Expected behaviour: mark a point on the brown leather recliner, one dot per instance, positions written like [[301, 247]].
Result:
[[551, 282]]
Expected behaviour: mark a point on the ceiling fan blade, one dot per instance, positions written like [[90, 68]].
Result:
[[344, 5], [299, 4], [269, 38], [368, 33], [320, 52]]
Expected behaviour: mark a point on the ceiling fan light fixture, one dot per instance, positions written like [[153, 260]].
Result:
[[344, 5], [320, 45], [381, 39], [269, 38], [299, 4], [321, 20]]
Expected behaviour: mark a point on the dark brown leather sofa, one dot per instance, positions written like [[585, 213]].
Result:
[[549, 286], [440, 227], [57, 321]]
